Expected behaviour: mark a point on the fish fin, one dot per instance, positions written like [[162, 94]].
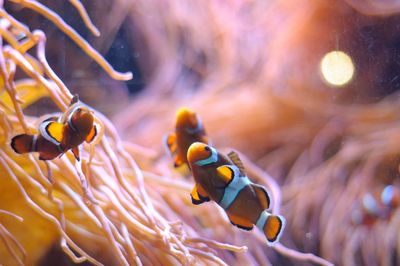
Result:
[[44, 157], [170, 143], [226, 173], [236, 161], [75, 151], [273, 228], [55, 130], [178, 162], [198, 195], [74, 99], [240, 222], [92, 134], [23, 143], [262, 195]]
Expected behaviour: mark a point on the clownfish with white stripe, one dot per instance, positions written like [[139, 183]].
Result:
[[188, 129], [57, 135], [223, 180]]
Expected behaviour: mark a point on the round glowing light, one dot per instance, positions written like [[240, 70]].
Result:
[[337, 68]]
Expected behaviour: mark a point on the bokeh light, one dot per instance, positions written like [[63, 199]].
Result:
[[337, 68]]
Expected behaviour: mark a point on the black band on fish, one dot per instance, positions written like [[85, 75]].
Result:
[[34, 143]]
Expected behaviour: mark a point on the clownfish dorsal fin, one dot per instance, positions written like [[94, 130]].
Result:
[[52, 131], [170, 143], [75, 151], [262, 196], [92, 134], [74, 100], [236, 161]]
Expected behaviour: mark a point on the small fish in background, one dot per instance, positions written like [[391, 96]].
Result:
[[374, 208], [57, 135], [222, 179], [188, 129], [390, 196], [368, 211]]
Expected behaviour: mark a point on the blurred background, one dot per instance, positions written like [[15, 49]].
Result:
[[308, 90]]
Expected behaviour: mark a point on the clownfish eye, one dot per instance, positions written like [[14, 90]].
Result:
[[207, 148]]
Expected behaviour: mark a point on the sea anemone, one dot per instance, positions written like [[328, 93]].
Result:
[[251, 70]]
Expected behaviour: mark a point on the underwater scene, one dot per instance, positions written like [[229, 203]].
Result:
[[166, 132]]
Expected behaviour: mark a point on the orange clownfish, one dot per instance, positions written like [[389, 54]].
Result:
[[57, 135], [223, 180], [188, 129]]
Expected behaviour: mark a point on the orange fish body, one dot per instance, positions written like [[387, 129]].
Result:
[[78, 126], [188, 129], [58, 135], [220, 179]]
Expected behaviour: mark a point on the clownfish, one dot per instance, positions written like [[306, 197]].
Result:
[[377, 207], [57, 135], [188, 129], [223, 180]]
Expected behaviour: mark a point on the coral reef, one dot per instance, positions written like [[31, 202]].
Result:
[[97, 209]]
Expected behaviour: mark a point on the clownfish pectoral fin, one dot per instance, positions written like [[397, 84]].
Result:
[[262, 195], [23, 143], [198, 195], [92, 134], [170, 143], [75, 151], [52, 131], [225, 173], [236, 161], [240, 222]]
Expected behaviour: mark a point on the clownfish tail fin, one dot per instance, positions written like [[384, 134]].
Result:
[[23, 143], [272, 226]]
